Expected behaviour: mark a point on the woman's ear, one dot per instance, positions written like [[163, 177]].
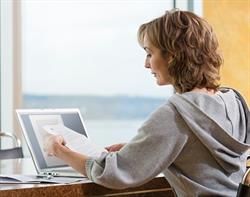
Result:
[[170, 60]]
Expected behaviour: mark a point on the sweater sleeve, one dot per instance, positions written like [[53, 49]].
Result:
[[153, 149]]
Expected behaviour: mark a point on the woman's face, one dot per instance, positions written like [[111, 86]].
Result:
[[157, 63]]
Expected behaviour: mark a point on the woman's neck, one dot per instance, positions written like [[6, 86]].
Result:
[[203, 90]]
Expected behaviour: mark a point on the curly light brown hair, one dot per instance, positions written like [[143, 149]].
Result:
[[190, 44]]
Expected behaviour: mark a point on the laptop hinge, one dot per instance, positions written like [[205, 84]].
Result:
[[49, 173]]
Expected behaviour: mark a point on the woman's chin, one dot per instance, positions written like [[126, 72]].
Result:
[[159, 83]]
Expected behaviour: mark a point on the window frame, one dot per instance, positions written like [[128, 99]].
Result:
[[10, 66]]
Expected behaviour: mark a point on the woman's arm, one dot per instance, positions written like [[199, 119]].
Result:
[[55, 145], [153, 149]]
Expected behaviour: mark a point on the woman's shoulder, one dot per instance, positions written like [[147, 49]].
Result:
[[166, 109], [165, 122], [210, 103], [203, 101], [165, 114]]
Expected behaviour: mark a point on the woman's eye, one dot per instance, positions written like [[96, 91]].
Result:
[[148, 55]]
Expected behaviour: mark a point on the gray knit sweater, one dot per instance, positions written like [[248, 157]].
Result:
[[195, 140]]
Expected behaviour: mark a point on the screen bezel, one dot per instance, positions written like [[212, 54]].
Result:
[[21, 112]]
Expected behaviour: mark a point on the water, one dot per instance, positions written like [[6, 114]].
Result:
[[108, 132]]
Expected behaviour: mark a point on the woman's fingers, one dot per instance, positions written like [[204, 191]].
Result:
[[115, 147], [52, 142], [60, 140]]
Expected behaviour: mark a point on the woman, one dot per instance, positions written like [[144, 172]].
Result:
[[196, 139]]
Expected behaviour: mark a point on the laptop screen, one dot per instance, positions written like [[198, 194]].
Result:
[[32, 123]]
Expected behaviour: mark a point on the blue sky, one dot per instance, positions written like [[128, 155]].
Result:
[[87, 47]]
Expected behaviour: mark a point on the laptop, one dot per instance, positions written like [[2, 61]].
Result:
[[32, 122]]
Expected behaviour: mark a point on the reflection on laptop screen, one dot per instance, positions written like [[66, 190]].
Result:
[[32, 123]]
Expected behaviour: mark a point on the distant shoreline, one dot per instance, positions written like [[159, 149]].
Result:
[[98, 107]]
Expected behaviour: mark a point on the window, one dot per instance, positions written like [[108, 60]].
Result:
[[85, 54], [81, 54]]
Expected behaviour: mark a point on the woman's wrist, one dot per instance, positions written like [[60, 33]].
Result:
[[74, 159]]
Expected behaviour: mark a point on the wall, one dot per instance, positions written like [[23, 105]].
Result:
[[230, 20]]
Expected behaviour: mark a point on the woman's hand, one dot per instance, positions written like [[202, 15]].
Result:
[[115, 147], [53, 143]]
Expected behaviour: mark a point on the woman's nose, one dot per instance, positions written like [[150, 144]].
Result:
[[147, 64]]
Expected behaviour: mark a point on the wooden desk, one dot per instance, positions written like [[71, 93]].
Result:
[[157, 187]]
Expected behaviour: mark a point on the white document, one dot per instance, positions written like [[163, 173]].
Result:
[[75, 141]]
